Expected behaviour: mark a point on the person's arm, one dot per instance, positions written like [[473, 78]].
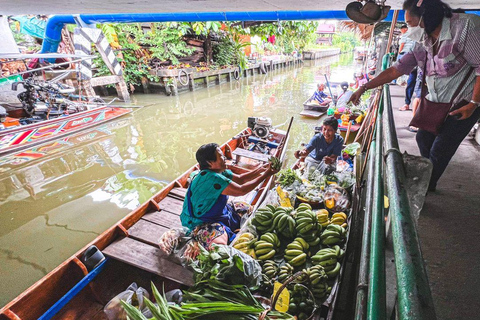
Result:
[[235, 189], [308, 148], [467, 110], [401, 47], [401, 67], [383, 78], [472, 55], [249, 175]]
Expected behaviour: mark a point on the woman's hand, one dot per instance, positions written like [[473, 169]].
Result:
[[271, 171], [464, 112]]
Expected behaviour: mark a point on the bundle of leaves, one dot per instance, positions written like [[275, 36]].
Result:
[[226, 264]]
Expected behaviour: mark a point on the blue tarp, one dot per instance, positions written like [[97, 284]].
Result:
[[32, 26]]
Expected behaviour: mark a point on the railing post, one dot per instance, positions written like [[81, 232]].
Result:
[[414, 298], [376, 307]]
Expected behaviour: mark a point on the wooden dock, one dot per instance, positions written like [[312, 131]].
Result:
[[173, 80], [319, 54]]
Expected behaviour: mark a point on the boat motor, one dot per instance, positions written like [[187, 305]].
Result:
[[260, 126]]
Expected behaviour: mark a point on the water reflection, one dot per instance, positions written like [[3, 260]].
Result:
[[57, 197]]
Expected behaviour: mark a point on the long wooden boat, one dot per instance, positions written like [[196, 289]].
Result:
[[18, 138], [312, 110], [71, 291]]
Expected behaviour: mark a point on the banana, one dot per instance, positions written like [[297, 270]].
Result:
[[331, 240], [337, 250], [329, 262], [263, 244], [292, 252], [263, 251], [295, 246], [298, 260], [315, 242], [340, 214], [330, 233], [316, 259], [272, 208], [266, 256], [303, 243], [333, 273], [337, 219]]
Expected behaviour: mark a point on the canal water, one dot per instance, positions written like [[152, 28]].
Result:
[[57, 197]]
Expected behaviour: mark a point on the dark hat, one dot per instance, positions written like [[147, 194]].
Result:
[[344, 84], [368, 13], [403, 26]]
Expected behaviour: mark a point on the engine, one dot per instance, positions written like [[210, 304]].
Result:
[[260, 126]]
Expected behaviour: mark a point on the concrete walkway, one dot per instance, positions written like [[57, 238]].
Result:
[[449, 225]]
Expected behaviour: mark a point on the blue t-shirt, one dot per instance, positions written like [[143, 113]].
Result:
[[319, 96], [319, 148]]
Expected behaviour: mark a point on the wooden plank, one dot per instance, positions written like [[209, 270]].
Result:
[[311, 114], [147, 232], [148, 258], [163, 218], [239, 152], [180, 193], [102, 81], [171, 204]]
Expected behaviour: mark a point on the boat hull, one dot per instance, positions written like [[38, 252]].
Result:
[[117, 275], [15, 139]]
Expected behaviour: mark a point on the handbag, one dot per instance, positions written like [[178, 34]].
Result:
[[430, 116]]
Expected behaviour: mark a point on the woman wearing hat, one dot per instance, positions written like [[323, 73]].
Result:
[[447, 49]]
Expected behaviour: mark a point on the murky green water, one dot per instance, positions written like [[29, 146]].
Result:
[[56, 198]]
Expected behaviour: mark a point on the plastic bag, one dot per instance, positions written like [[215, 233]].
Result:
[[352, 149], [171, 238], [336, 198], [133, 295], [228, 265]]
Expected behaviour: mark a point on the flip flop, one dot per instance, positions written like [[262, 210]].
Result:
[[404, 108]]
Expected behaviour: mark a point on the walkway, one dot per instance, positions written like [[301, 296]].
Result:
[[449, 225]]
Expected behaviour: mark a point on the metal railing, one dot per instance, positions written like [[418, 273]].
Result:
[[414, 298]]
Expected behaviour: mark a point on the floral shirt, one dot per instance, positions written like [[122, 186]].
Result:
[[458, 51]]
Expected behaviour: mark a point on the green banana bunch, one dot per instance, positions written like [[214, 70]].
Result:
[[321, 290], [283, 222], [316, 274], [333, 235], [326, 258], [295, 253], [270, 269], [264, 250], [272, 238], [306, 225], [263, 219], [285, 272]]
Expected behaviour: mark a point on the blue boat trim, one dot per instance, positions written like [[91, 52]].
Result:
[[73, 292]]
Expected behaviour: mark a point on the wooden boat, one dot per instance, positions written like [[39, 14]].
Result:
[[15, 139], [69, 291], [313, 110]]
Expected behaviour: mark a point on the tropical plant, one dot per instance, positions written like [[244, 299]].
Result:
[[346, 41]]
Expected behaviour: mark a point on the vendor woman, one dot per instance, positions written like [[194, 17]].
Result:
[[206, 200], [324, 148]]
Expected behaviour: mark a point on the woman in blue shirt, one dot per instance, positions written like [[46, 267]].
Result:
[[207, 195]]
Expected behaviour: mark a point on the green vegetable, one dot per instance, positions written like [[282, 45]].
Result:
[[275, 163], [287, 176]]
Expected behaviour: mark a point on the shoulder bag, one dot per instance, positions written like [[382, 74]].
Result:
[[430, 116]]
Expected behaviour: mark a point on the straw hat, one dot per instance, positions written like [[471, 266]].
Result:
[[368, 13]]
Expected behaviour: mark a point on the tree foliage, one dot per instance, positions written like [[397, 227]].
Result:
[[346, 41]]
